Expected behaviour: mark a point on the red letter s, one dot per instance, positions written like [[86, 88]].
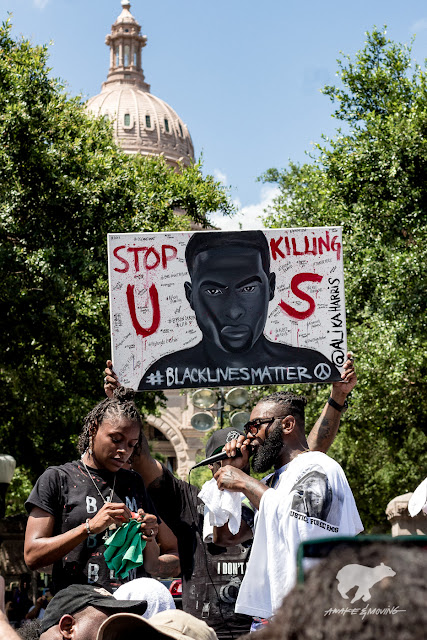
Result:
[[125, 262], [295, 282]]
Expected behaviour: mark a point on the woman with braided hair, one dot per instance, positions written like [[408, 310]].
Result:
[[73, 508]]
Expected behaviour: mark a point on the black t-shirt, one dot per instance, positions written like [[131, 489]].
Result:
[[67, 493], [211, 575]]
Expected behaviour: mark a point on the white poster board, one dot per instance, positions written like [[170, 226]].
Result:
[[218, 308]]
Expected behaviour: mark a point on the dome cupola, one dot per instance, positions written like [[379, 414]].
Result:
[[143, 123]]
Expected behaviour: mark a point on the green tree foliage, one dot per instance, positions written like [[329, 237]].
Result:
[[371, 179], [64, 184], [203, 474], [17, 492]]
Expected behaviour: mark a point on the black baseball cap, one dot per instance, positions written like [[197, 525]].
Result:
[[219, 438], [79, 596]]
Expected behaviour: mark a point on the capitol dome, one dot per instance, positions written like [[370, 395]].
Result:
[[143, 123]]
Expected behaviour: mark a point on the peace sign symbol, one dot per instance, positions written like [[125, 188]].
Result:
[[322, 371]]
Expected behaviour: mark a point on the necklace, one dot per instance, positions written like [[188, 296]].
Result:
[[109, 498]]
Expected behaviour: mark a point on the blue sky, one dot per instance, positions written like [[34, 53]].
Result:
[[245, 76]]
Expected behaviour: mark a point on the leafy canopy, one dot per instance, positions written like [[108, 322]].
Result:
[[64, 184], [371, 179]]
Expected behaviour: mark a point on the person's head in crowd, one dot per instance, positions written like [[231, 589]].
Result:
[[47, 593], [218, 440], [278, 422], [316, 609], [112, 431], [231, 286], [175, 624], [78, 611], [157, 596], [24, 582]]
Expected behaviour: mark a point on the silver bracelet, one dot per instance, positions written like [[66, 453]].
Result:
[[88, 527]]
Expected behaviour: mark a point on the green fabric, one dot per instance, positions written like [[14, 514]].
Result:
[[124, 549], [248, 504]]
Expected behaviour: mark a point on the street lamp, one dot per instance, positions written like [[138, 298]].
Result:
[[204, 399], [7, 469], [211, 400]]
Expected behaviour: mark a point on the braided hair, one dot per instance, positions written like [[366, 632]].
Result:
[[120, 405], [288, 401]]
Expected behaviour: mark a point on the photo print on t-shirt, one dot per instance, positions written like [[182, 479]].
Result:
[[313, 497]]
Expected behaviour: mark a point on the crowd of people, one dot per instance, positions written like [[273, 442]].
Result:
[[235, 543]]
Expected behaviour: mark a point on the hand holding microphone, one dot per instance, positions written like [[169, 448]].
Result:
[[239, 448], [231, 475]]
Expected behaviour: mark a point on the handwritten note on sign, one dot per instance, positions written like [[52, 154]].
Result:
[[226, 308]]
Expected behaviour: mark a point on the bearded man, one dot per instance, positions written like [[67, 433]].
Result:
[[306, 497]]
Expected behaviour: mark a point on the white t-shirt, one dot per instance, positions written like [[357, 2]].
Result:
[[312, 499]]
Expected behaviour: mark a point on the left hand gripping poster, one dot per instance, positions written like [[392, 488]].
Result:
[[227, 308]]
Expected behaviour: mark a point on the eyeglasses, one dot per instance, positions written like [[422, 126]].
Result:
[[253, 426]]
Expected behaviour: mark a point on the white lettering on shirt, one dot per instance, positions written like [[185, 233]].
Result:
[[92, 572], [91, 505]]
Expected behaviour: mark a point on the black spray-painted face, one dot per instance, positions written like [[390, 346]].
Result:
[[229, 294]]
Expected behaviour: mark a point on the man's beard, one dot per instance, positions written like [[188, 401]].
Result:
[[265, 456]]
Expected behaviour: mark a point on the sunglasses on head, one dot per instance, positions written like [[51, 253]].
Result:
[[253, 426]]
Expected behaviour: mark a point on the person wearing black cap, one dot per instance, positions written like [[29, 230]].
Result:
[[211, 575], [79, 610]]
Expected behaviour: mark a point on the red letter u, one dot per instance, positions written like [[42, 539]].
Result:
[[154, 297]]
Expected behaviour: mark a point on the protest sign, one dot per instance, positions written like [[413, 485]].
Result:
[[218, 308]]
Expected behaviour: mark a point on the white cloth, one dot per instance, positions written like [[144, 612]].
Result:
[[418, 500], [158, 597], [207, 527], [311, 500], [222, 506]]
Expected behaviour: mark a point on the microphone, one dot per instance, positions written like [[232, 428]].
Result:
[[222, 455]]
